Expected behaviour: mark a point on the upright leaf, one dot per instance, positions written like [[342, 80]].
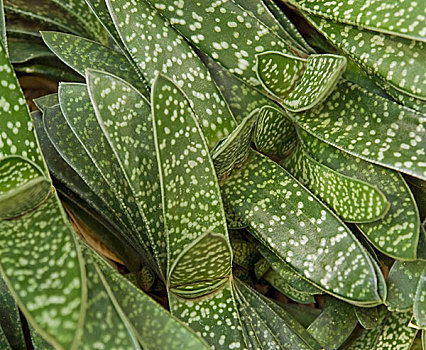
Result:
[[420, 301], [2, 25]]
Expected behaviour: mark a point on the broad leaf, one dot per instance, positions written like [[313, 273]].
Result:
[[368, 318], [396, 234], [369, 127], [276, 206], [154, 38], [353, 200]]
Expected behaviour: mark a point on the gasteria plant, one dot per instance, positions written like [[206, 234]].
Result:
[[217, 153]]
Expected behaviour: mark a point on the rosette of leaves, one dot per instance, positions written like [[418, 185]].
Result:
[[200, 117]]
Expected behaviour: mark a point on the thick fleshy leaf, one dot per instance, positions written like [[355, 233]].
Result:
[[197, 237], [213, 317], [303, 314], [234, 150], [38, 287], [45, 11], [300, 84], [334, 325], [369, 127], [4, 344], [154, 38], [353, 200], [392, 333], [368, 318], [23, 187], [2, 25], [406, 74], [51, 70], [274, 132], [23, 51], [420, 301], [396, 234], [245, 253], [273, 327], [399, 18], [127, 125], [291, 222], [10, 321], [17, 135], [80, 53], [402, 284], [224, 31]]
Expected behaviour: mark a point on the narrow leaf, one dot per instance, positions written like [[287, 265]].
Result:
[[420, 301], [23, 51], [2, 25]]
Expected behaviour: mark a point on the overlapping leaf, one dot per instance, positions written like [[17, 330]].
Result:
[[351, 199], [420, 301]]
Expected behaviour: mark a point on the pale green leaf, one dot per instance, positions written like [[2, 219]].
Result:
[[353, 200], [197, 240], [396, 234], [156, 47], [291, 222], [400, 18], [369, 127]]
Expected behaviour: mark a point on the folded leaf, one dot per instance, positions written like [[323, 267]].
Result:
[[369, 127], [353, 200], [399, 18], [402, 284], [405, 74], [285, 217], [156, 47], [396, 234]]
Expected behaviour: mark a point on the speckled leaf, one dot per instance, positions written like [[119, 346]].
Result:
[[279, 73], [420, 301], [17, 135], [80, 115], [288, 274], [369, 127], [233, 220], [37, 341], [274, 133], [125, 118], [197, 239], [285, 217], [274, 328], [156, 47], [353, 200], [45, 11], [368, 318], [23, 51], [10, 321], [402, 284], [23, 186], [394, 235], [80, 53], [105, 325], [38, 287], [4, 344], [214, 317], [299, 83], [245, 253], [401, 18], [334, 325], [225, 31], [234, 150], [406, 73]]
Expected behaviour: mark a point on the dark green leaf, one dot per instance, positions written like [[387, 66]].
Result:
[[303, 314], [369, 318], [23, 51], [2, 25], [420, 301]]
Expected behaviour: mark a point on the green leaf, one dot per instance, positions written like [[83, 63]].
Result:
[[399, 18], [221, 30], [420, 301], [244, 254], [23, 51], [39, 287], [405, 74], [276, 206], [298, 83], [197, 239], [394, 235], [80, 53], [23, 186], [368, 318], [2, 25], [353, 200], [303, 314], [274, 132], [334, 325], [392, 333], [10, 321], [3, 341], [127, 125], [37, 341], [48, 70], [154, 38], [45, 11], [234, 150], [402, 283], [392, 136]]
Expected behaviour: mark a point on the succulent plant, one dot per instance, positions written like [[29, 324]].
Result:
[[227, 161]]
